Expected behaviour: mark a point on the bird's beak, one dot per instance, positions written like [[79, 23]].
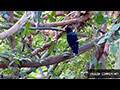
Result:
[[64, 29]]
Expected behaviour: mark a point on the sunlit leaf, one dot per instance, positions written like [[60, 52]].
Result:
[[17, 61], [32, 31], [53, 13], [50, 18], [11, 62], [50, 68], [26, 32], [102, 40], [27, 25], [114, 28], [113, 48]]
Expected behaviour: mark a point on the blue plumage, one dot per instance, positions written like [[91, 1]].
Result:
[[72, 38]]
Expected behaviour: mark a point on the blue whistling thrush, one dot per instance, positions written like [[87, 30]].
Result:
[[71, 39]]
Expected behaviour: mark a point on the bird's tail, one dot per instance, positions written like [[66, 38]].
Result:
[[75, 48]]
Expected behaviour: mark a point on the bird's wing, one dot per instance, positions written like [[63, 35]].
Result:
[[75, 47], [72, 38]]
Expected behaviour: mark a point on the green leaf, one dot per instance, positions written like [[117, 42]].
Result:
[[14, 69], [117, 40], [17, 61], [42, 20], [50, 18], [102, 40], [114, 28], [98, 66], [20, 52], [50, 68], [23, 74], [33, 69], [94, 60], [15, 20], [4, 55], [90, 22], [11, 62], [32, 31], [108, 21], [75, 61], [109, 39], [20, 12], [15, 15], [26, 32], [42, 61], [100, 19], [48, 40], [27, 59], [51, 48], [118, 20], [43, 15], [27, 25], [116, 37], [53, 13], [113, 48]]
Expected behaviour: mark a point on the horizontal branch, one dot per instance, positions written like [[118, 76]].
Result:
[[47, 26], [61, 57], [66, 22], [35, 28], [57, 58], [82, 35], [47, 45]]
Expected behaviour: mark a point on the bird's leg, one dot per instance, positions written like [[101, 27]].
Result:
[[72, 53]]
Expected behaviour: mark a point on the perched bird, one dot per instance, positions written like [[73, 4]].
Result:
[[71, 39]]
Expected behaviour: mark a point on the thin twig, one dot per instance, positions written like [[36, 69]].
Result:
[[35, 28]]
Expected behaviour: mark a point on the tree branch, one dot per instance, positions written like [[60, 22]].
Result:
[[57, 58], [47, 45], [21, 22], [16, 27], [66, 22]]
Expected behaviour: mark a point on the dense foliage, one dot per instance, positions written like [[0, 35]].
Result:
[[14, 58]]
